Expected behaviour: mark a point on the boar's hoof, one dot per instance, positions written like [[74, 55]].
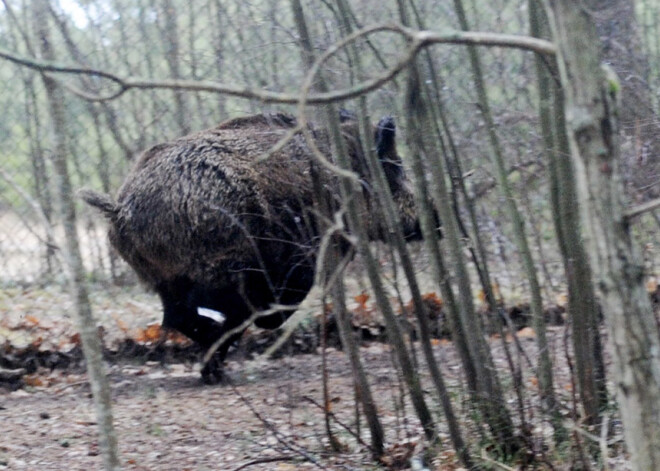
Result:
[[213, 371]]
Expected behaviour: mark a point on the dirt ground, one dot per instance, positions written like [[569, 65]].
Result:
[[167, 420], [267, 417]]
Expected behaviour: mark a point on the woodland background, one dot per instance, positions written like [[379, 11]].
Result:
[[256, 45]]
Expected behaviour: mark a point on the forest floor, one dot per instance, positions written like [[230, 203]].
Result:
[[267, 416]]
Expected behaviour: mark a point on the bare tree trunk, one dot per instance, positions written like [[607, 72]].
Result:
[[219, 16], [345, 331], [591, 92], [479, 258], [86, 326], [42, 188], [348, 195], [582, 305], [386, 202], [544, 367], [440, 273], [34, 131], [410, 375], [170, 36], [491, 401]]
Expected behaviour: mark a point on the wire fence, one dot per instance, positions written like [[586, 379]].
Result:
[[248, 43]]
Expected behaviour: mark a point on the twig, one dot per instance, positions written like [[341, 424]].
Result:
[[280, 144], [274, 309], [340, 423], [497, 464], [278, 436], [272, 459], [642, 208], [594, 438], [603, 442], [36, 208], [11, 376]]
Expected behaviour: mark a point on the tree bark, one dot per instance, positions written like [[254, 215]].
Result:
[[591, 94], [621, 48], [385, 201], [86, 326], [491, 401], [170, 36], [544, 366], [330, 266], [582, 305]]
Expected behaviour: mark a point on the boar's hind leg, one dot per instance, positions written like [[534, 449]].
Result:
[[180, 313], [181, 299]]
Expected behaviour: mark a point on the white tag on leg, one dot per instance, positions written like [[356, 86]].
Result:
[[211, 314]]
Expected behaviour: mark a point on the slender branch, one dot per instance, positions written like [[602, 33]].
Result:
[[37, 209], [339, 422], [272, 459], [279, 436], [642, 208], [48, 66], [274, 309], [417, 40]]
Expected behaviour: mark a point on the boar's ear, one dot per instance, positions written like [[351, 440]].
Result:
[[385, 138], [387, 154]]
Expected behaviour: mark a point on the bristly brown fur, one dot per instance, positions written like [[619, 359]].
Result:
[[208, 223]]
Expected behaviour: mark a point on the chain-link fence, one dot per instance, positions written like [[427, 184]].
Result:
[[251, 44]]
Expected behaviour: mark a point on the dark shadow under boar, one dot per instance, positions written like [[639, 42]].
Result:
[[211, 226]]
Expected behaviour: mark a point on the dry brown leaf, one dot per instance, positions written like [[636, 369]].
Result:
[[398, 455], [433, 298], [496, 292], [362, 299], [33, 380], [151, 333], [526, 333], [75, 339], [30, 319], [177, 337]]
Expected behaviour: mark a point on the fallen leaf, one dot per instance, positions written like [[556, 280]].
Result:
[[151, 333], [362, 299], [33, 380], [30, 319], [121, 324], [526, 333]]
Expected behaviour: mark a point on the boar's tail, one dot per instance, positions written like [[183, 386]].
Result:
[[101, 201]]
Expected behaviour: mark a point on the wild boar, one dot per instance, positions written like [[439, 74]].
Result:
[[214, 227]]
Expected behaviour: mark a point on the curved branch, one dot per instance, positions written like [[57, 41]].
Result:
[[47, 66], [642, 208], [417, 41]]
